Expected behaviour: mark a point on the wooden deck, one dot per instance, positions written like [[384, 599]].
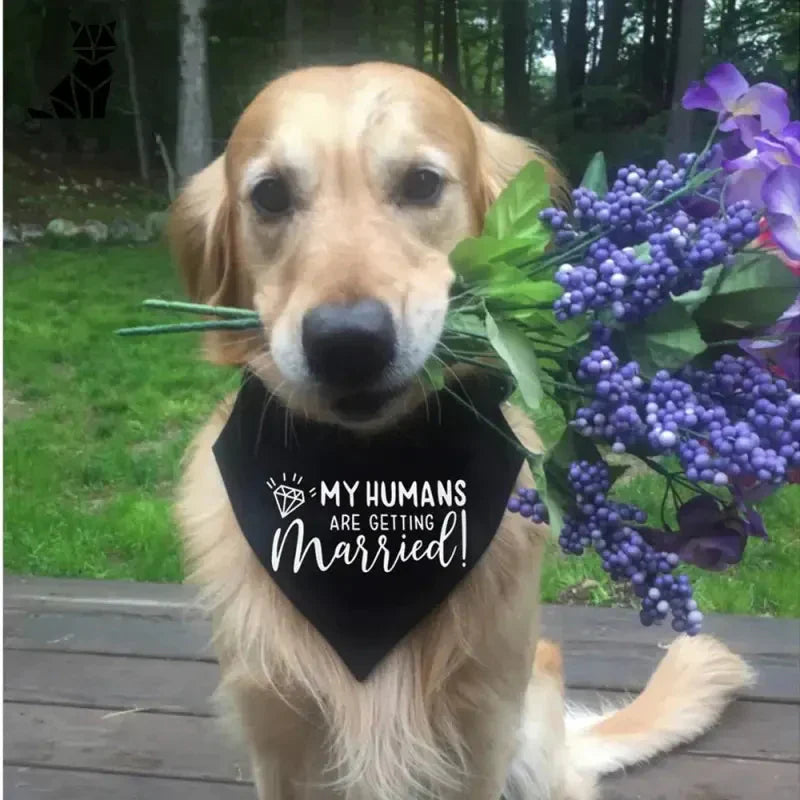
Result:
[[107, 687]]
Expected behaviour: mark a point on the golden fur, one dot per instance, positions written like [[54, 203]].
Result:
[[460, 709]]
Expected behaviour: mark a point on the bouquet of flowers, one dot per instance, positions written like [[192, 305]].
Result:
[[654, 319]]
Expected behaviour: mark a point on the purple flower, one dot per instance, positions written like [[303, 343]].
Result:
[[749, 171], [779, 346], [781, 196], [727, 92], [743, 496], [711, 536]]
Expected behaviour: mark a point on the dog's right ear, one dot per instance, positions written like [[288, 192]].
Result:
[[203, 244]]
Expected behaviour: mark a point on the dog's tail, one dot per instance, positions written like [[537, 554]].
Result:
[[684, 697]]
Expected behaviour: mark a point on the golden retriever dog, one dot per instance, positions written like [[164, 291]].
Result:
[[347, 187]]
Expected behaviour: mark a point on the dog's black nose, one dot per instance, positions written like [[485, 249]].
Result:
[[349, 345]]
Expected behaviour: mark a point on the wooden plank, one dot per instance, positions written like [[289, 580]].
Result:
[[191, 748], [749, 729], [768, 731], [593, 665], [111, 633], [685, 777], [33, 593], [110, 682], [609, 666], [182, 747], [26, 783], [163, 745], [745, 635]]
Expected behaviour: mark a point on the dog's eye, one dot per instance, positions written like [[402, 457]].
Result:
[[271, 196], [421, 186]]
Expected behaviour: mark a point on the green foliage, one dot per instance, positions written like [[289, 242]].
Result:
[[691, 301], [595, 177], [519, 354], [752, 293], [516, 211], [668, 339], [486, 258]]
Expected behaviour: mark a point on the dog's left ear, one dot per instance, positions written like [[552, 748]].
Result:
[[203, 246], [501, 156]]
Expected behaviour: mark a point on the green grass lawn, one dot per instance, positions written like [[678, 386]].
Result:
[[96, 425]]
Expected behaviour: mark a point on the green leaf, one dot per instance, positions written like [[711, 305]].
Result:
[[669, 339], [518, 353], [434, 373], [691, 301], [643, 251], [574, 447], [468, 324], [704, 176], [616, 471], [596, 176], [516, 211], [756, 271], [477, 258], [519, 294], [549, 418], [753, 293], [548, 493]]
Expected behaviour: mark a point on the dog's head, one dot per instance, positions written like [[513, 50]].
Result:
[[332, 212]]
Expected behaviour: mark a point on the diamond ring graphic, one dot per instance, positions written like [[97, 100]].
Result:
[[289, 498]]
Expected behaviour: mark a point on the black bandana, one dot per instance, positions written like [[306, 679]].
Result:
[[366, 535]]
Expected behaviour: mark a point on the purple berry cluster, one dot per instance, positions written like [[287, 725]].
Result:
[[623, 209], [682, 238], [527, 503], [736, 420], [633, 286], [609, 528]]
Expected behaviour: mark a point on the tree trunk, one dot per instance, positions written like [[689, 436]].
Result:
[[690, 52], [516, 100], [577, 46], [294, 32], [344, 28], [647, 44], [450, 67], [727, 36], [133, 90], [436, 45], [657, 64], [469, 71], [613, 17], [491, 54], [376, 19], [419, 33], [560, 52], [672, 55], [193, 150], [595, 38], [53, 53]]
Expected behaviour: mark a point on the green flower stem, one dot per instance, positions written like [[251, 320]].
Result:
[[187, 327], [705, 149], [535, 339], [671, 477], [475, 362], [199, 308]]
